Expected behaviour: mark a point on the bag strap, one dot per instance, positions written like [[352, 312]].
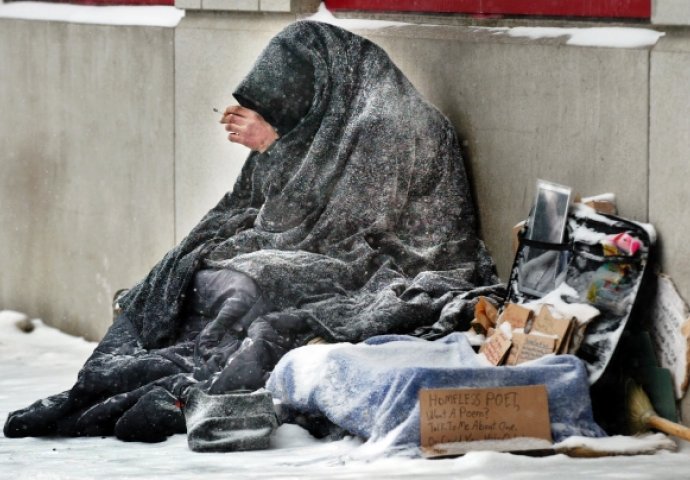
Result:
[[544, 245]]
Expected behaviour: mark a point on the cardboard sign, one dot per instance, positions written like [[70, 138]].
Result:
[[496, 347], [535, 346], [518, 340], [543, 322], [547, 324], [516, 315], [671, 332], [474, 414], [564, 345], [529, 347]]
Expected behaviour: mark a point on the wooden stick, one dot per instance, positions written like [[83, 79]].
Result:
[[669, 427]]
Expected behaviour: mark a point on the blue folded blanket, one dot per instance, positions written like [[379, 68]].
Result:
[[371, 389]]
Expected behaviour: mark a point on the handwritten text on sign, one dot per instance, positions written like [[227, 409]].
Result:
[[469, 414]]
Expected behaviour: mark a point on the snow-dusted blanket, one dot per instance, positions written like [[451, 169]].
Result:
[[371, 389], [357, 222]]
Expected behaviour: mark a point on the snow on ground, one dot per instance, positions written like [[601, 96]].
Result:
[[153, 16], [46, 361]]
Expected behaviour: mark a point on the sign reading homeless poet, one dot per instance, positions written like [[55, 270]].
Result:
[[470, 414]]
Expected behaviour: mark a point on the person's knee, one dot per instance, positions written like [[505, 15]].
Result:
[[260, 330]]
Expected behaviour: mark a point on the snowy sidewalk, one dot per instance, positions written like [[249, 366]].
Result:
[[46, 361]]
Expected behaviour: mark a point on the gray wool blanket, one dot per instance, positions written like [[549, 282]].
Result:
[[357, 222]]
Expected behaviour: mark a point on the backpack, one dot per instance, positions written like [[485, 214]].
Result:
[[592, 271]]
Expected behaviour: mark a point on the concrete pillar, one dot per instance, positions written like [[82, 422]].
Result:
[[671, 12], [86, 191]]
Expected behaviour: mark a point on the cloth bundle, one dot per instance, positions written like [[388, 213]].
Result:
[[371, 389]]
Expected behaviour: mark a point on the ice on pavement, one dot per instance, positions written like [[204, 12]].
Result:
[[46, 361]]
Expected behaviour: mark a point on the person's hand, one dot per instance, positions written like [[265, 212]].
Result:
[[248, 128]]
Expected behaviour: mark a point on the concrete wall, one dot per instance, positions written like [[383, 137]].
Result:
[[213, 52], [533, 109], [284, 6], [112, 152], [671, 12], [86, 151], [669, 154]]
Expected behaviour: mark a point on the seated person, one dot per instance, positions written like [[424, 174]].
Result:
[[352, 217]]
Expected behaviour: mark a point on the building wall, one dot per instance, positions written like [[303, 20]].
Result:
[[86, 151], [213, 52], [112, 151], [533, 109], [671, 12], [669, 154]]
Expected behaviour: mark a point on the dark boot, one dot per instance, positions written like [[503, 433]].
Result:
[[155, 417]]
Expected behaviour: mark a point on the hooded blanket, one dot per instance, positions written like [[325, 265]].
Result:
[[357, 222]]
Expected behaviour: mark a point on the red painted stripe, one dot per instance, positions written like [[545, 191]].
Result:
[[549, 8]]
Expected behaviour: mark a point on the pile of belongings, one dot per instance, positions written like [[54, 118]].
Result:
[[525, 332]]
